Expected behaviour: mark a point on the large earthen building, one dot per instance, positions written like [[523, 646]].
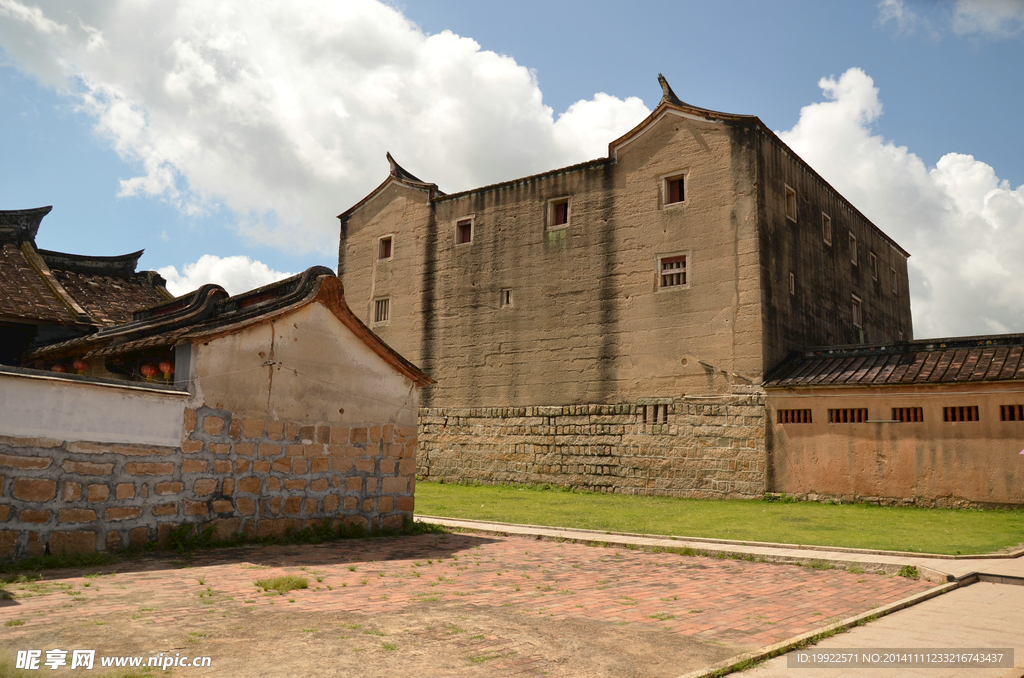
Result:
[[609, 325]]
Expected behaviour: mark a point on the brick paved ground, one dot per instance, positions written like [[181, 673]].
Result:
[[725, 602]]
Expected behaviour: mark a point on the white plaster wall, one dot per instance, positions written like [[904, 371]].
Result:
[[51, 407], [321, 372]]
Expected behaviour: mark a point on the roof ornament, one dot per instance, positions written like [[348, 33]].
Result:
[[668, 95], [400, 172]]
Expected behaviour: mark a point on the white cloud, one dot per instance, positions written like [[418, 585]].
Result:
[[906, 19], [283, 112], [996, 19], [963, 226], [993, 18], [235, 274]]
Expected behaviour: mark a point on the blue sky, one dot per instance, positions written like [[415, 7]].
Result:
[[224, 138]]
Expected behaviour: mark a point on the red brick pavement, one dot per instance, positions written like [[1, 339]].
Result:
[[737, 602]]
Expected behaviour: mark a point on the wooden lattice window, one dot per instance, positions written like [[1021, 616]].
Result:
[[851, 415], [961, 413], [907, 414], [794, 416]]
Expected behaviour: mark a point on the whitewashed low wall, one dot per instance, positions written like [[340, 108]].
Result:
[[65, 408]]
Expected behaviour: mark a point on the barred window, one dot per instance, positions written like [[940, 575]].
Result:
[[672, 271], [381, 310], [962, 413], [907, 414], [855, 415], [1011, 412], [794, 416]]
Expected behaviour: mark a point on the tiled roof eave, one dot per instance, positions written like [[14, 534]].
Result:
[[777, 385]]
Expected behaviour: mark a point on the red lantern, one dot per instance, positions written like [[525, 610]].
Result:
[[57, 367], [80, 365], [149, 371], [167, 367]]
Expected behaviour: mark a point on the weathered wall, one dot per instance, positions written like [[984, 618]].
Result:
[[588, 323], [303, 367], [35, 404], [819, 311], [930, 463], [287, 422], [708, 448]]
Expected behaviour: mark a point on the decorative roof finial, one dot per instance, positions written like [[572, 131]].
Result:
[[400, 172], [667, 94]]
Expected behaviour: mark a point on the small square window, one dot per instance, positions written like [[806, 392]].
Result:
[[672, 271], [858, 320], [506, 298], [381, 310], [792, 284], [464, 232], [384, 247], [892, 276], [853, 249], [673, 189], [826, 228], [790, 204], [558, 213], [874, 265]]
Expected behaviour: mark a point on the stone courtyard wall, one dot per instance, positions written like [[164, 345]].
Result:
[[703, 447], [254, 476]]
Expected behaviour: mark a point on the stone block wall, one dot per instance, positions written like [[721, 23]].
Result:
[[252, 476], [689, 447]]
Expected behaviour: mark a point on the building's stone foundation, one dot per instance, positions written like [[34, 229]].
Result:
[[689, 447]]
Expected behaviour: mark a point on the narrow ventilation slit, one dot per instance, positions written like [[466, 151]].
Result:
[[655, 414]]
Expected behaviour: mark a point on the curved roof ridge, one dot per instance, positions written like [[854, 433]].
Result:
[[22, 224], [400, 172], [122, 265]]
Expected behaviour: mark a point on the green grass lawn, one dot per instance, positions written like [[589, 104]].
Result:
[[949, 531]]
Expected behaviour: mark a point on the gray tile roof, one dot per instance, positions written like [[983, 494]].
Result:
[[929, 361]]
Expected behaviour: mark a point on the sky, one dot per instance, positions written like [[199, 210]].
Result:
[[225, 137]]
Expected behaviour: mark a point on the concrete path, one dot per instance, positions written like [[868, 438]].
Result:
[[981, 606], [979, 615]]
